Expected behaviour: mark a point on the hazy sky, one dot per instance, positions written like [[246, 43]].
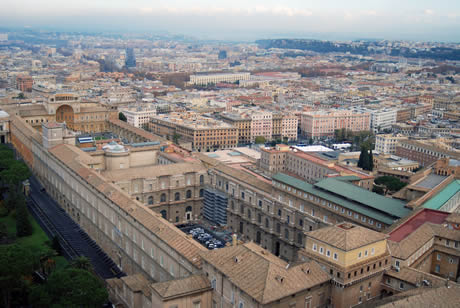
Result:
[[437, 20]]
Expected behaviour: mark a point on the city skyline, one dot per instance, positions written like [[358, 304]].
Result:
[[242, 21]]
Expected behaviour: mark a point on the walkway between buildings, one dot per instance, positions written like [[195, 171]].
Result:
[[74, 241]]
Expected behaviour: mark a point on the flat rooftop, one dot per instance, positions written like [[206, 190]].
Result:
[[414, 222], [431, 181]]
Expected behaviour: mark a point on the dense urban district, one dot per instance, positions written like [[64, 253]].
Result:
[[161, 171]]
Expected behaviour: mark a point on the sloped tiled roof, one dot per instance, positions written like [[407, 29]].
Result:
[[347, 236], [178, 287], [262, 275], [411, 243], [445, 297], [164, 230]]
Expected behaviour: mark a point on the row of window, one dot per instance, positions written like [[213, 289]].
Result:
[[324, 203], [321, 250], [188, 195]]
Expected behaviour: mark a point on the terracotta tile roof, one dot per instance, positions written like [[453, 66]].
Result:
[[262, 275], [446, 297], [164, 230], [347, 236], [411, 243], [180, 287], [415, 276], [454, 218], [138, 283]]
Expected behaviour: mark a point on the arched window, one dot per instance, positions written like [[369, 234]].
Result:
[[163, 197], [150, 200], [201, 179], [188, 194], [267, 223], [286, 233], [232, 204], [177, 196], [163, 214], [201, 193], [249, 214], [259, 218], [241, 208], [258, 237], [188, 209]]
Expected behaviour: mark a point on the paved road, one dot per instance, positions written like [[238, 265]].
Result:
[[74, 241]]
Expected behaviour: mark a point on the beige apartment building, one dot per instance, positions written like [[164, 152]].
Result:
[[318, 124], [386, 143], [252, 124], [355, 257], [309, 167], [205, 134]]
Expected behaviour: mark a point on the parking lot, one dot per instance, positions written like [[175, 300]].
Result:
[[207, 238]]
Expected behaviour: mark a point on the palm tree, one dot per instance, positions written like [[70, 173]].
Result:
[[81, 263]]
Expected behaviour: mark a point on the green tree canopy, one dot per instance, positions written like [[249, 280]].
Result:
[[73, 287], [260, 140], [15, 263], [390, 182], [122, 117], [81, 263], [23, 225]]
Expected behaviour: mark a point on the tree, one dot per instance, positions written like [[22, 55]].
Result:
[[378, 189], [73, 287], [361, 157], [15, 263], [23, 225], [81, 263], [391, 183], [366, 160], [122, 117], [371, 161], [20, 96], [260, 140], [16, 172], [176, 138]]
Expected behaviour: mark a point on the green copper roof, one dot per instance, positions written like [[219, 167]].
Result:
[[350, 197], [363, 196], [443, 196]]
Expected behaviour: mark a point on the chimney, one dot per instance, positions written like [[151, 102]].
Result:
[[234, 239]]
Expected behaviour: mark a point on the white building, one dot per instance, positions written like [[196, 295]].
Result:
[[382, 119], [386, 143], [139, 117], [216, 78]]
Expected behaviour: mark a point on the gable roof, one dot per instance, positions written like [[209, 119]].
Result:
[[347, 236], [364, 209], [443, 196], [179, 287], [363, 196], [262, 275]]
